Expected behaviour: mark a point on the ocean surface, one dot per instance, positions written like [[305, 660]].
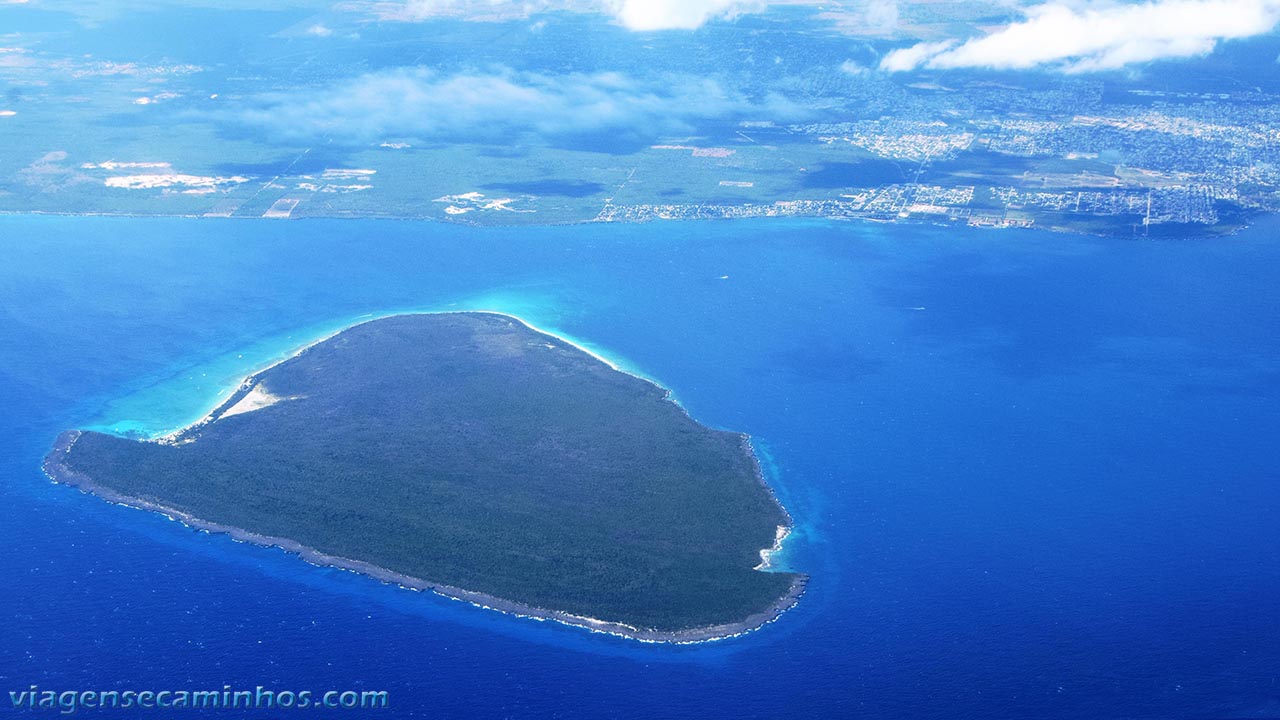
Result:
[[1034, 475]]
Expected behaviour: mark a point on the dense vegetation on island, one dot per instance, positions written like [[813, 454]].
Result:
[[470, 450]]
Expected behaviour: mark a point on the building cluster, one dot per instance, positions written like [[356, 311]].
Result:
[[912, 140], [1004, 206], [892, 202], [1078, 150]]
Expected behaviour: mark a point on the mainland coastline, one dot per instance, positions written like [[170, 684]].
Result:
[[57, 469]]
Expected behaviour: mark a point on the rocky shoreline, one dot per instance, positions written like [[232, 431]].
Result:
[[55, 467]]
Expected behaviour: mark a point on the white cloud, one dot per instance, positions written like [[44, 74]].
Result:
[[500, 106], [912, 57], [860, 18], [852, 67], [425, 9], [1098, 35], [637, 15], [318, 30], [153, 99], [882, 15], [679, 14]]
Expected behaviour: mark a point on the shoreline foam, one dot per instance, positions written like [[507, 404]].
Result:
[[923, 222]]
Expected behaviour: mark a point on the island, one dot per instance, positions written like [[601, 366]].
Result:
[[470, 454]]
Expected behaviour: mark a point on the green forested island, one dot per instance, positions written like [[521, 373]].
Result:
[[473, 455]]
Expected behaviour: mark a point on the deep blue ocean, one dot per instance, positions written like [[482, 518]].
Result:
[[1034, 475]]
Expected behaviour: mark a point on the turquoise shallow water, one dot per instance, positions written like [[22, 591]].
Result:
[[1034, 474]]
